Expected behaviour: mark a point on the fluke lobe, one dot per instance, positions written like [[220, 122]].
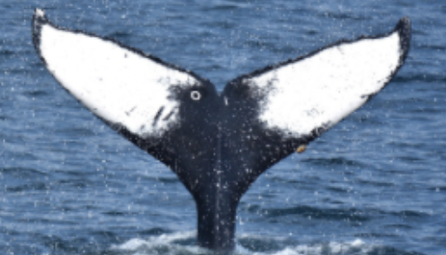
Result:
[[219, 143]]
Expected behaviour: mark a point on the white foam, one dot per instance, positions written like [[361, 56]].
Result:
[[334, 248], [167, 243]]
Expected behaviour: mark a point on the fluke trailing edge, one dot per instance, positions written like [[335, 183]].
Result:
[[219, 143]]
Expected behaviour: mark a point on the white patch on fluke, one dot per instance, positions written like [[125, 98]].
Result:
[[321, 90], [115, 83]]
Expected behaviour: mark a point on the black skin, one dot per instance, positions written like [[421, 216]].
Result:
[[223, 152], [220, 147]]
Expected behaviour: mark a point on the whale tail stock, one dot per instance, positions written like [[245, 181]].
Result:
[[219, 143]]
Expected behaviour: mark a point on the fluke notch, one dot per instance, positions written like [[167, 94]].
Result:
[[218, 144]]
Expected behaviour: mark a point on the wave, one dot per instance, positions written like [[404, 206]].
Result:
[[247, 244]]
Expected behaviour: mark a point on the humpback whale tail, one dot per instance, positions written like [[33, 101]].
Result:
[[219, 143]]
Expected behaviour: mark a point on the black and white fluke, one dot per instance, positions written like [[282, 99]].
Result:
[[219, 143]]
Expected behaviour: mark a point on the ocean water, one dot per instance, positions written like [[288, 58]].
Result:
[[374, 184]]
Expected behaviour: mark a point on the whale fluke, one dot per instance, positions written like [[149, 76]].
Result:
[[219, 143]]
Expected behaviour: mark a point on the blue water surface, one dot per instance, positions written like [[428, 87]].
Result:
[[374, 184]]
